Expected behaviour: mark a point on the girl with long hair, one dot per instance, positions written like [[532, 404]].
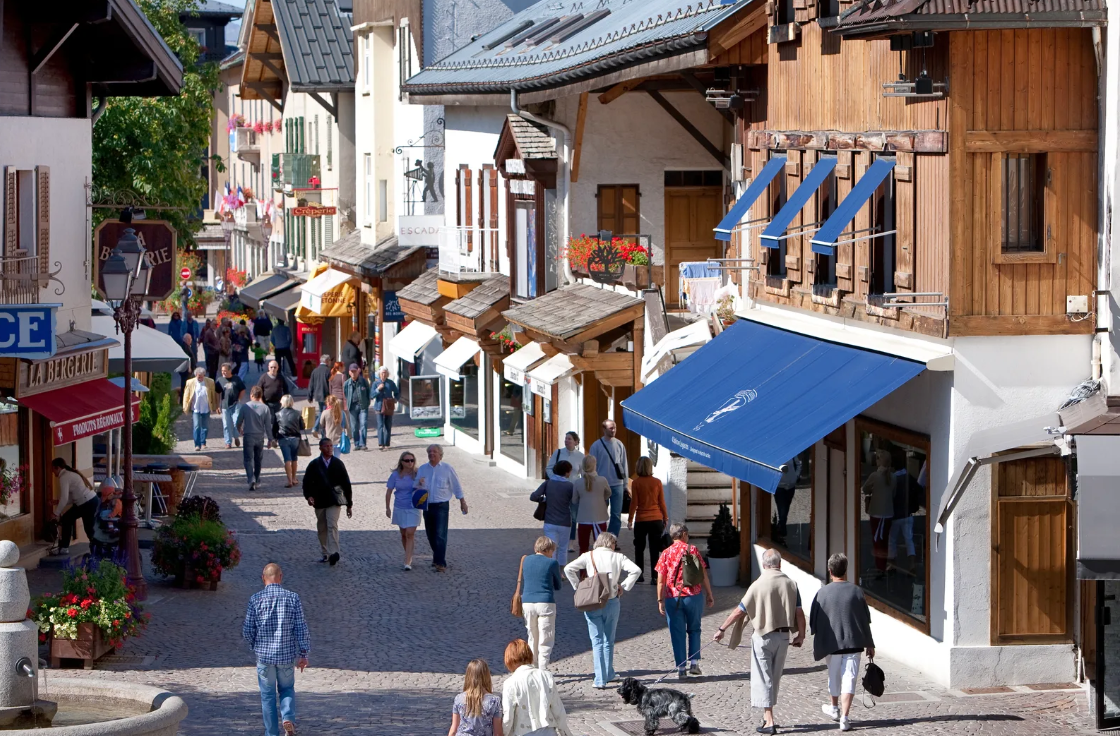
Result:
[[401, 511], [477, 710], [334, 420]]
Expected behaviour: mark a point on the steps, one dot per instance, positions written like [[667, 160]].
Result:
[[707, 489]]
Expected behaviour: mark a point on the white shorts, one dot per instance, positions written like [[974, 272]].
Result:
[[843, 669]]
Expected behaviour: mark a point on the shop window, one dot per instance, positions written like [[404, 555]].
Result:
[[511, 420], [828, 198], [525, 248], [882, 248], [463, 397], [892, 534], [1024, 189], [785, 519], [776, 259], [18, 502]]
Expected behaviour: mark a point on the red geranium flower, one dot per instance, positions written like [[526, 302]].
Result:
[[72, 612]]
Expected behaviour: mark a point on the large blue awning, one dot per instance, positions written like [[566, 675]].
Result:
[[772, 235], [757, 188], [824, 241], [756, 396]]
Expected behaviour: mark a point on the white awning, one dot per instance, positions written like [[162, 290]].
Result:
[[153, 351], [549, 372], [411, 340], [679, 343], [516, 366], [315, 289], [451, 360]]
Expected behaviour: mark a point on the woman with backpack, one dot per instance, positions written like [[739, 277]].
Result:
[[681, 578], [604, 559]]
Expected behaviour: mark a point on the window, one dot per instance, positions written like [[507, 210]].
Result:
[[785, 520], [525, 248], [786, 13], [824, 266], [511, 420], [776, 257], [828, 8], [892, 534], [330, 147], [881, 279], [367, 64], [25, 204], [618, 208], [316, 138], [368, 214], [1024, 189], [199, 35], [404, 52], [694, 178], [383, 200], [463, 398]]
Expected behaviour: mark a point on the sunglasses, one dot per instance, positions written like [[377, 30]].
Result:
[[408, 460]]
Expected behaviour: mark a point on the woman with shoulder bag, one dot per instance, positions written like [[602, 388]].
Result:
[[290, 424], [681, 577], [537, 580], [570, 452], [604, 559], [385, 397], [403, 512], [556, 494]]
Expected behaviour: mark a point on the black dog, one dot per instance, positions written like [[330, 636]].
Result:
[[657, 703]]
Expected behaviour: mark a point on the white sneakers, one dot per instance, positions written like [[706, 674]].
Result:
[[845, 723], [833, 713]]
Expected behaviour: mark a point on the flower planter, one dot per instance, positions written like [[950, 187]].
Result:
[[90, 646], [723, 572], [187, 579], [634, 277]]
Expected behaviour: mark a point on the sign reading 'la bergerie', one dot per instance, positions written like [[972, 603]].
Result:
[[158, 239]]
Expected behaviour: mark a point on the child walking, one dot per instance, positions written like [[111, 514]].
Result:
[[477, 710], [258, 357]]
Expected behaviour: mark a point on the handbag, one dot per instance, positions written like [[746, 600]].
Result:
[[593, 591], [388, 406], [874, 680], [515, 605], [304, 447], [542, 508], [344, 443]]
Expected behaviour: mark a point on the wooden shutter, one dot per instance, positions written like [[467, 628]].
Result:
[[619, 208], [845, 269], [793, 172], [904, 221], [43, 231], [862, 221], [1032, 542], [11, 211], [488, 194], [459, 197]]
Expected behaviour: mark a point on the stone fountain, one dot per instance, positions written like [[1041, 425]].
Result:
[[19, 649]]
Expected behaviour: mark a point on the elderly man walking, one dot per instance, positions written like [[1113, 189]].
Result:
[[773, 606], [327, 488], [273, 388], [841, 624], [277, 632], [254, 422], [442, 482], [200, 398]]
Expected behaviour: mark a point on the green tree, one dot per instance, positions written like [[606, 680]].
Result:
[[156, 146]]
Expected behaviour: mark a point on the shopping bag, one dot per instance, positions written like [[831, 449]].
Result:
[[344, 443]]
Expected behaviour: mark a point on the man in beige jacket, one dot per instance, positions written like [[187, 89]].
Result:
[[773, 606], [200, 398]]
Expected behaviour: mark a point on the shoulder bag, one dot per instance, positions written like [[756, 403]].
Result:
[[344, 443], [388, 406], [593, 591], [515, 605], [304, 447], [542, 508], [618, 471]]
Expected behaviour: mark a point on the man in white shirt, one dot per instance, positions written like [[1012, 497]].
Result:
[[200, 397], [442, 482], [610, 455]]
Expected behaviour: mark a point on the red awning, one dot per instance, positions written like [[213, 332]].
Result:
[[83, 410]]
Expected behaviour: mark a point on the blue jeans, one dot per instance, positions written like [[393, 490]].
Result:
[[319, 416], [384, 429], [201, 427], [358, 420], [435, 526], [685, 620], [615, 524], [601, 626], [252, 451], [229, 422], [272, 678]]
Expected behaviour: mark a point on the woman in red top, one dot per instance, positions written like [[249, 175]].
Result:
[[680, 603]]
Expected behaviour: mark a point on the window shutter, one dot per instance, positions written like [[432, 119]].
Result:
[[329, 143], [607, 215], [845, 269], [328, 229], [862, 222], [493, 223], [43, 210], [904, 223], [11, 212], [793, 249], [468, 204], [628, 210], [459, 197]]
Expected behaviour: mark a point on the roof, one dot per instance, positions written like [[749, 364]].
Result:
[[142, 63], [576, 40], [423, 290], [210, 233], [570, 310], [213, 8], [882, 16], [531, 139], [368, 260], [481, 299], [318, 46]]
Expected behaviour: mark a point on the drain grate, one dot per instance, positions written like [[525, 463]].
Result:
[[638, 728]]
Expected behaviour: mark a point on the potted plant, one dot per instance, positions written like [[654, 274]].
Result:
[[723, 549], [95, 613], [313, 193], [196, 546], [725, 310], [636, 272]]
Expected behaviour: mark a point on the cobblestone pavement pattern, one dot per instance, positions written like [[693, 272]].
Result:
[[389, 647]]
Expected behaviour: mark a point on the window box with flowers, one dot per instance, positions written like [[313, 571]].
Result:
[[95, 613], [11, 488], [312, 194], [618, 259], [196, 546], [505, 339]]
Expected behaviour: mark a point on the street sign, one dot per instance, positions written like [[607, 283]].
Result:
[[185, 273], [27, 330], [157, 237], [188, 293]]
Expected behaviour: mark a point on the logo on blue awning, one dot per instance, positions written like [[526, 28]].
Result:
[[738, 401]]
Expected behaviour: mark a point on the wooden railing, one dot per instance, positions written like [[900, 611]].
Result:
[[20, 279]]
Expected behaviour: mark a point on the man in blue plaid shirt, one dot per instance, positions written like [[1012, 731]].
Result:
[[277, 632]]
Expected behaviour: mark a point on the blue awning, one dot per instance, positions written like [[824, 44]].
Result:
[[824, 241], [756, 396], [771, 236], [757, 188]]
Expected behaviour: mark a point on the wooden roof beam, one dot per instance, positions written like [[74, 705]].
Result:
[[685, 123], [619, 319], [581, 119], [267, 61], [618, 90]]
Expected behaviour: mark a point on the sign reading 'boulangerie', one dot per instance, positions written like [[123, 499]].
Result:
[[158, 239]]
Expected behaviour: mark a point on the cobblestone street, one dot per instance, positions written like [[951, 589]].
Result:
[[389, 647]]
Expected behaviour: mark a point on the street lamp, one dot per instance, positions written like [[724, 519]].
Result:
[[125, 277]]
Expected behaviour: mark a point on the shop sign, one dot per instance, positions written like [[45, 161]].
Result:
[[61, 371], [393, 311], [540, 388], [76, 429], [419, 230], [157, 237], [27, 330], [605, 264], [515, 375], [424, 401], [312, 211]]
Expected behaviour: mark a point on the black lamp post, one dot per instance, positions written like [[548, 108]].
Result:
[[125, 278]]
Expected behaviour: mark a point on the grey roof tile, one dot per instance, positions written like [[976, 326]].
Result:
[[371, 260], [888, 11], [317, 44], [423, 290], [533, 140], [569, 310], [481, 298]]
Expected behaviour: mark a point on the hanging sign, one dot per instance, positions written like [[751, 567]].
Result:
[[158, 239], [605, 264], [27, 330], [311, 211], [393, 311], [419, 230]]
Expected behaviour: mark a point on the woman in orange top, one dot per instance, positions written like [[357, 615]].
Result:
[[647, 503]]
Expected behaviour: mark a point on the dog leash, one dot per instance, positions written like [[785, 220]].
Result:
[[678, 667]]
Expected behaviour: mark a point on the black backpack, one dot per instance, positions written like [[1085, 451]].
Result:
[[874, 681]]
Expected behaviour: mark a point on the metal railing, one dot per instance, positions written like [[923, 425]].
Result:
[[21, 279], [468, 249]]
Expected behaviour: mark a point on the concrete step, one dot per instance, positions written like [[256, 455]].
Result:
[[702, 511], [708, 480], [78, 550]]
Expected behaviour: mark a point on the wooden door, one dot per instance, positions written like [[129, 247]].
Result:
[[1032, 542], [691, 213]]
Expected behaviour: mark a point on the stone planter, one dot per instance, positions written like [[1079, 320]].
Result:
[[142, 709], [634, 277], [723, 572], [90, 646]]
